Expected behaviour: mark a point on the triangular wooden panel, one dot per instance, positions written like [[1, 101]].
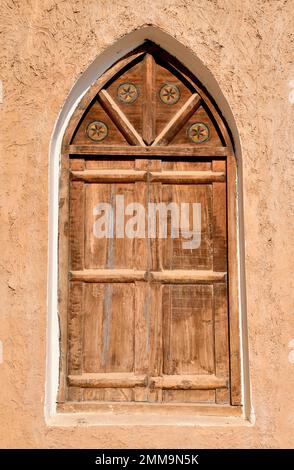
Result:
[[198, 130], [97, 128], [151, 100], [128, 93], [171, 94]]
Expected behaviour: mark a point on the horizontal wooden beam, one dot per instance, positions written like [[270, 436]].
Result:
[[120, 119], [176, 276], [181, 276], [130, 380], [129, 176], [109, 176], [159, 411], [169, 151], [179, 177], [188, 382], [107, 275], [107, 380]]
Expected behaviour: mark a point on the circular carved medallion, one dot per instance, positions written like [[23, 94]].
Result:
[[169, 93], [198, 132], [127, 93], [97, 131]]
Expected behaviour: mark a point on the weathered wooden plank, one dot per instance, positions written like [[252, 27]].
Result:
[[129, 380], [188, 382], [179, 177], [149, 97], [109, 176], [161, 151], [107, 380], [120, 119], [178, 121], [77, 225], [235, 363], [221, 339], [182, 276], [221, 317], [107, 275], [178, 410], [75, 328]]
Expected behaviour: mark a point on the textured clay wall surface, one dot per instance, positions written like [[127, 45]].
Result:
[[248, 47]]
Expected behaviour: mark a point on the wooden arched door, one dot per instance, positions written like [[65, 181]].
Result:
[[148, 308]]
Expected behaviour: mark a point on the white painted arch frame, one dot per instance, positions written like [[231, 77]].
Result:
[[103, 62]]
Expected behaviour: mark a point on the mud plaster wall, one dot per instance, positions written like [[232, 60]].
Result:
[[248, 46]]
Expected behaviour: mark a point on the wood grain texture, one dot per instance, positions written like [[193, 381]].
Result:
[[97, 113], [107, 380], [188, 382], [222, 367], [107, 275], [181, 276], [149, 97], [177, 410], [96, 87], [221, 339], [109, 176], [168, 151], [151, 321], [75, 338], [184, 177], [120, 119], [178, 121], [233, 282], [76, 225]]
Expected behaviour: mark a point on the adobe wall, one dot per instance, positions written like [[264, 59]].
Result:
[[248, 47]]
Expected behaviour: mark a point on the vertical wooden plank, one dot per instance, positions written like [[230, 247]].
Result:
[[155, 339], [142, 300], [98, 251], [63, 288], [118, 335], [92, 337], [219, 219], [77, 214], [155, 291], [175, 255], [75, 335], [142, 336], [221, 320], [154, 195], [75, 322], [108, 335], [235, 364], [188, 345], [149, 100], [221, 333]]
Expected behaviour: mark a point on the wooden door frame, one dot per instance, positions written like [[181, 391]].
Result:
[[79, 152]]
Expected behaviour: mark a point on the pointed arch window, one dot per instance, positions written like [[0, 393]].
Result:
[[148, 306]]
